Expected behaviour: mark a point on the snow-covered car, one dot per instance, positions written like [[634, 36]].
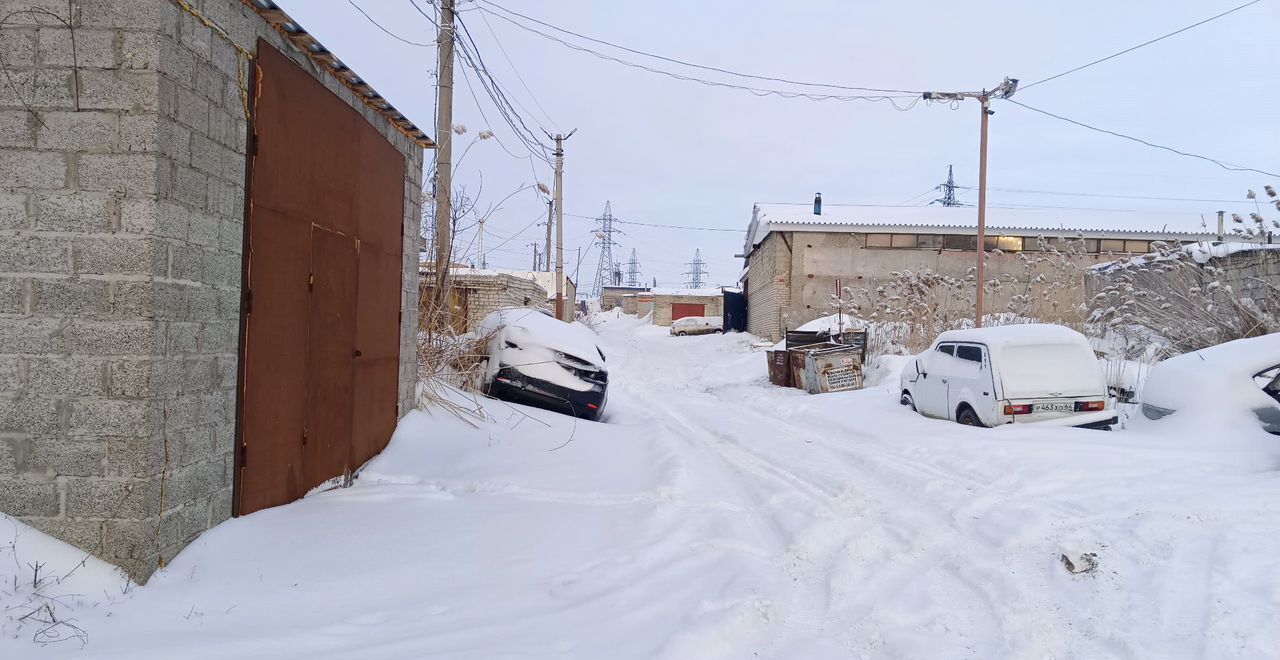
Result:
[[696, 325], [1239, 379], [1032, 373], [542, 361]]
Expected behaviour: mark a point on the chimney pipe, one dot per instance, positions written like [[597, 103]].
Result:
[[1222, 226], [817, 204]]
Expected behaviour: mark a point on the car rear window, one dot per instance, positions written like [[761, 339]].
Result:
[[1049, 370]]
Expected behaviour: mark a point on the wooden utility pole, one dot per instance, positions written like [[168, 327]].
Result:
[[560, 222], [550, 206], [1002, 91], [444, 163]]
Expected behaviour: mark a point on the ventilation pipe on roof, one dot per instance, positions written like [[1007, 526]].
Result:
[[1222, 226], [817, 204]]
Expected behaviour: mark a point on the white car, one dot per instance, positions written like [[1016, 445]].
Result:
[[537, 359], [1039, 373], [1236, 380], [696, 325]]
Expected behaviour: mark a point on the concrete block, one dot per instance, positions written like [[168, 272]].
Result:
[[74, 211], [83, 534], [135, 174], [32, 169], [225, 199], [39, 89], [186, 262], [199, 375], [141, 378], [133, 91], [141, 50], [116, 256], [22, 497], [136, 14], [115, 337], [67, 457], [130, 545], [69, 297], [207, 155], [67, 376], [192, 410], [19, 46], [231, 236], [78, 131], [219, 337], [34, 254], [32, 335], [194, 35], [220, 506], [151, 300], [196, 482], [189, 188], [183, 338], [10, 375], [192, 519], [135, 457], [222, 269], [94, 49], [17, 129], [192, 110], [110, 498], [189, 446], [13, 211], [210, 82], [204, 304], [114, 417], [13, 295], [29, 415]]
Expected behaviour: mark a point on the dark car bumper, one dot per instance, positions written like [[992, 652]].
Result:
[[511, 385], [1104, 425]]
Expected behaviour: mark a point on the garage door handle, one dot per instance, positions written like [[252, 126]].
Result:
[[356, 353]]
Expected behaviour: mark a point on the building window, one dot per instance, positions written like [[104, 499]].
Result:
[[1111, 245], [1137, 247], [929, 241], [959, 242], [904, 240], [1087, 245], [879, 240], [1009, 243]]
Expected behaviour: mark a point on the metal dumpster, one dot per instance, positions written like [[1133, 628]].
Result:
[[833, 369], [779, 368], [797, 360]]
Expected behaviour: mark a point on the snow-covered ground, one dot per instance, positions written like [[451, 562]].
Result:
[[716, 516]]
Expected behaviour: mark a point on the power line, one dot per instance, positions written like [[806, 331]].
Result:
[[1225, 166], [758, 91], [649, 224], [1145, 43], [389, 32], [699, 66], [1086, 194], [516, 71]]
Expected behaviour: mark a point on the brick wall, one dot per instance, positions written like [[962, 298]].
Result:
[[121, 233], [768, 287], [713, 306]]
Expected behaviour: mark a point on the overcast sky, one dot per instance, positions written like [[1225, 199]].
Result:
[[666, 151]]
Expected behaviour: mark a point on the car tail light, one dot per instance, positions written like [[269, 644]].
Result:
[[593, 406], [1019, 409], [1090, 405]]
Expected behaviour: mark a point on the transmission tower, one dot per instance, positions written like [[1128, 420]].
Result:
[[633, 270], [697, 269], [948, 190], [604, 270]]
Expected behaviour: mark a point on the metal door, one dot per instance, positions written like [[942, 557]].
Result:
[[320, 336], [681, 310]]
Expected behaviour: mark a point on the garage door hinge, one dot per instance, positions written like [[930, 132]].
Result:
[[304, 435], [311, 281]]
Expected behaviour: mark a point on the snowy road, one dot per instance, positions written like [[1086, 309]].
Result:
[[715, 516]]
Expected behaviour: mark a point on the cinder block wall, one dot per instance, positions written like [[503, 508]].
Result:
[[489, 293], [713, 306], [121, 233]]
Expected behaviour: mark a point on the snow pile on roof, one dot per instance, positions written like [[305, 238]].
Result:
[[1200, 252], [800, 217], [688, 292]]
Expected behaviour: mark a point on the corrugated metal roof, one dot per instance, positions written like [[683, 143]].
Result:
[[322, 57]]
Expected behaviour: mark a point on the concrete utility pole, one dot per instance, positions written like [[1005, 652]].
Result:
[[444, 163], [560, 222], [536, 265], [482, 259], [550, 207], [1002, 91]]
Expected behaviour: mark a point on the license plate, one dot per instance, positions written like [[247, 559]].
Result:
[[1053, 407]]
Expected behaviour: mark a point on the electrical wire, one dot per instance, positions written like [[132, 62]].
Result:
[[1225, 166], [698, 66], [1084, 194], [475, 52], [758, 91], [1145, 43], [393, 35], [516, 71]]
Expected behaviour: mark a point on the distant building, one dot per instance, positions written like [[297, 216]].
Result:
[[475, 293], [794, 256], [611, 296], [672, 304]]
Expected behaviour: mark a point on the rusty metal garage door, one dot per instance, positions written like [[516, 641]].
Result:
[[681, 310], [320, 341]]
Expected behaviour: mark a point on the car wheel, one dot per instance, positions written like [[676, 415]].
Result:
[[907, 401], [968, 417]]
